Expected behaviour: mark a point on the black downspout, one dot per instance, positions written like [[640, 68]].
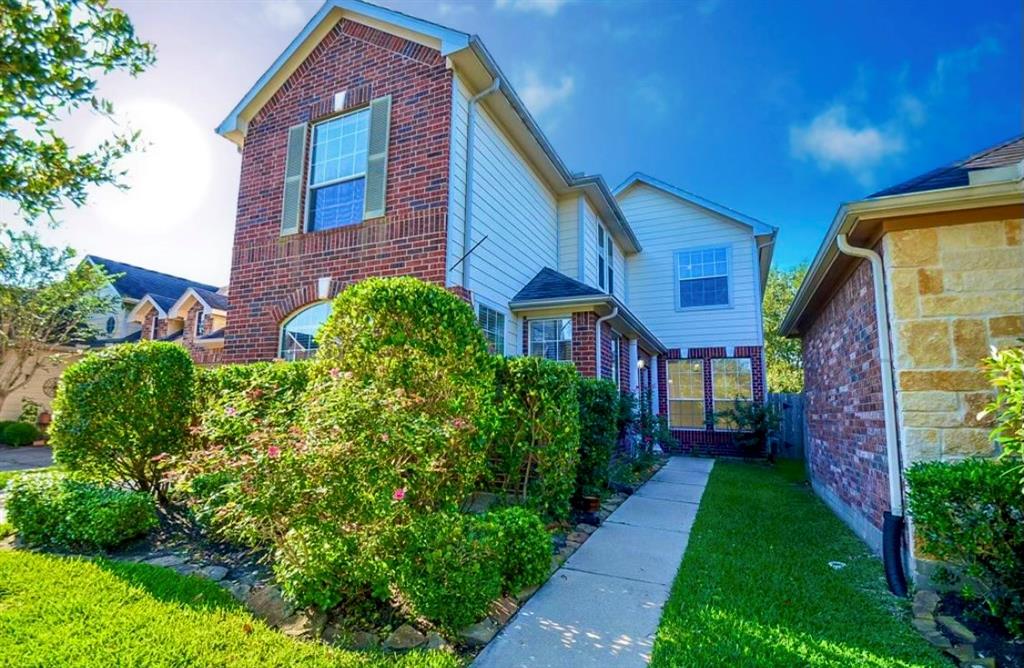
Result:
[[892, 554]]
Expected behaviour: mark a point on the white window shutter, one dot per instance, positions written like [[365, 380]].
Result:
[[377, 158], [291, 209]]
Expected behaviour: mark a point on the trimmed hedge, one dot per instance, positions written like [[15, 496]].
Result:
[[535, 446], [599, 406], [17, 434], [57, 511], [523, 546], [121, 410], [970, 514]]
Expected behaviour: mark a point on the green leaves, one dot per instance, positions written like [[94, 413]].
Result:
[[51, 53], [1006, 373], [782, 355], [599, 407]]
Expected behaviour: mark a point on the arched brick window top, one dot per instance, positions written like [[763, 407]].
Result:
[[298, 332]]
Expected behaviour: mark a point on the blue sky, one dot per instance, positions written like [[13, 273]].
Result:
[[781, 110]]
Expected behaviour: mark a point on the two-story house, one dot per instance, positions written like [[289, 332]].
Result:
[[380, 144]]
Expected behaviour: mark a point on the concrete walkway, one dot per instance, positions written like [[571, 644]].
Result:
[[28, 457], [603, 606]]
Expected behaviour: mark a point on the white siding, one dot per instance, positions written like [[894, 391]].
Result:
[[568, 236], [619, 267], [590, 222], [665, 224], [512, 207]]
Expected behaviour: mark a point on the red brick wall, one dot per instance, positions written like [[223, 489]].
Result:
[[199, 354], [709, 440], [273, 276], [843, 399]]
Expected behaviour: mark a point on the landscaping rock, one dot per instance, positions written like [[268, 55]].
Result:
[[215, 573], [590, 518], [925, 602], [578, 537], [924, 626], [503, 609], [305, 624], [957, 629], [435, 641], [267, 603], [962, 653], [166, 561], [365, 640], [585, 528], [981, 662], [479, 634], [239, 590], [404, 637], [185, 569]]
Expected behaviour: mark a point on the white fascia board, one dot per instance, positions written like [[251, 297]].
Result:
[[137, 314], [183, 299]]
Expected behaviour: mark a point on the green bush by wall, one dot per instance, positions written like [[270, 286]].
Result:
[[598, 406]]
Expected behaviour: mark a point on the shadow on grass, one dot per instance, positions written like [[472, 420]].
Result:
[[168, 586]]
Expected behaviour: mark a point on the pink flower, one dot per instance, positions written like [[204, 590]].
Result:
[[230, 411], [399, 494], [273, 452], [335, 372], [385, 437], [459, 423], [160, 457]]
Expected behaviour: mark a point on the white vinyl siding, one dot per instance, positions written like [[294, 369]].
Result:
[[568, 235], [666, 225], [512, 207]]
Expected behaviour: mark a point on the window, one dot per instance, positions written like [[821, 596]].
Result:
[[686, 394], [616, 358], [611, 263], [731, 382], [605, 256], [703, 277], [602, 261], [200, 324], [153, 327], [493, 324], [337, 174], [297, 334], [551, 339]]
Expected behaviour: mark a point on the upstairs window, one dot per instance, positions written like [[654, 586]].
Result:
[[298, 332], [702, 278], [602, 260], [732, 382], [551, 338], [337, 174], [200, 324], [605, 257], [611, 262], [686, 394], [493, 324]]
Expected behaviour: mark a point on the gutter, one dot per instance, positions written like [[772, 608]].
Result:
[[597, 338], [467, 201], [892, 531]]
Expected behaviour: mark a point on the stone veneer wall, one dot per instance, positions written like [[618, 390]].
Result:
[[954, 292]]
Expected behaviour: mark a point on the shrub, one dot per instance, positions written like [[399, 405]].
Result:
[[54, 510], [1006, 373], [235, 400], [598, 402], [970, 514], [20, 433], [120, 410], [754, 423], [523, 546], [4, 424], [536, 440], [449, 571]]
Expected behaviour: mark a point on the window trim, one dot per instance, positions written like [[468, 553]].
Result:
[[287, 319], [677, 295], [199, 322], [529, 336], [485, 303], [715, 399], [703, 395], [309, 187]]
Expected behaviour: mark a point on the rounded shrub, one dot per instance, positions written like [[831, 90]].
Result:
[[57, 511], [121, 410], [599, 404], [448, 570], [18, 434], [523, 546], [535, 445]]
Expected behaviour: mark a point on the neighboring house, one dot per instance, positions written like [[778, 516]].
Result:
[[132, 292], [948, 285], [379, 144]]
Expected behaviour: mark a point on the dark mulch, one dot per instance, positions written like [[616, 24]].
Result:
[[993, 638]]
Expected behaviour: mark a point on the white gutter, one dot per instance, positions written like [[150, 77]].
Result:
[[467, 202], [885, 358], [597, 339]]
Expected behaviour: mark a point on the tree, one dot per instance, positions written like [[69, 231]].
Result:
[[51, 52], [782, 355], [45, 304]]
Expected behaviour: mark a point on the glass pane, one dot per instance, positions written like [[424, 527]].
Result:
[[297, 335], [337, 205], [339, 148], [686, 414]]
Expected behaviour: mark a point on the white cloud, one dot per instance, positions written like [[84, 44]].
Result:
[[549, 7], [285, 14], [455, 8], [833, 141], [952, 69], [540, 96]]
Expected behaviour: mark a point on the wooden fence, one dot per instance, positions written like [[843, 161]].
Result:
[[789, 437]]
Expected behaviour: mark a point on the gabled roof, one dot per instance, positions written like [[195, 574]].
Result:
[[760, 228], [210, 300], [550, 284], [136, 282], [957, 173]]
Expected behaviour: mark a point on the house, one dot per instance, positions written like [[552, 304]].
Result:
[[133, 292], [380, 144], [907, 293]]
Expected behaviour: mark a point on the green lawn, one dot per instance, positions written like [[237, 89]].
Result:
[[755, 587], [73, 612]]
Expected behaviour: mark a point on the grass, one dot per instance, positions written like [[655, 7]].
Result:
[[57, 611], [755, 587]]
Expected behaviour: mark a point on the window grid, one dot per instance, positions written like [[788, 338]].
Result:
[[686, 394], [703, 277], [493, 324], [337, 176], [298, 332], [731, 381], [551, 338]]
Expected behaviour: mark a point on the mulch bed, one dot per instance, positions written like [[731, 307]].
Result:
[[993, 638]]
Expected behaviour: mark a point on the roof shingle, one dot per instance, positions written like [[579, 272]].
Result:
[[137, 282], [550, 284]]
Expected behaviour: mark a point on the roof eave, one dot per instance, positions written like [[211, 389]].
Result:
[[608, 301]]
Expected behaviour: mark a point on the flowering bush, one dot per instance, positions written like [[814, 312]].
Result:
[[51, 509], [598, 405], [523, 546], [535, 447], [120, 411]]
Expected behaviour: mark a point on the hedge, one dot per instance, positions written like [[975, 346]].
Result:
[[598, 406], [17, 434]]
